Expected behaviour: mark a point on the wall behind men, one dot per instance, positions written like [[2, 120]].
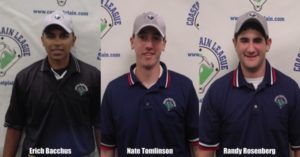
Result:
[[199, 36], [21, 29]]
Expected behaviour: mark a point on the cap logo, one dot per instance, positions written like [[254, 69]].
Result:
[[150, 17], [252, 14], [58, 17]]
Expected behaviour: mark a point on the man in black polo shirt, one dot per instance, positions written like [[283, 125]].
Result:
[[255, 109], [55, 101], [150, 111]]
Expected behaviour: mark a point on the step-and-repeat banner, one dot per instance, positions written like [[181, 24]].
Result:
[[20, 38], [199, 36]]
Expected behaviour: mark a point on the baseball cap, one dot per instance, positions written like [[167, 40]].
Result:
[[59, 18], [253, 17], [149, 19]]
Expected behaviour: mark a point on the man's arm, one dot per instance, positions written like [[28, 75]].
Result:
[[205, 153], [107, 153], [297, 152], [195, 150], [98, 138], [12, 140]]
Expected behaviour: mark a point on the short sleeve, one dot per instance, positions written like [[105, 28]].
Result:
[[108, 140], [15, 116], [209, 123], [294, 127], [192, 120], [96, 118]]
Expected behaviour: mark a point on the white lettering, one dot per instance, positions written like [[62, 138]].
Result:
[[232, 151], [133, 151], [157, 151], [36, 151]]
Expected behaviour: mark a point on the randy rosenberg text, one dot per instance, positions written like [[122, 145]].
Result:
[[250, 151]]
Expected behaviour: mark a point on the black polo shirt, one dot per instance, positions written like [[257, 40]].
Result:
[[56, 113], [236, 116], [163, 117]]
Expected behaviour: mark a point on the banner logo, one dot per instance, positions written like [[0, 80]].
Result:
[[207, 71], [13, 46], [297, 63], [61, 2], [212, 61], [109, 18], [192, 19], [210, 56], [258, 4]]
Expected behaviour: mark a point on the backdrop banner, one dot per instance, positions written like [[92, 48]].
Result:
[[199, 36]]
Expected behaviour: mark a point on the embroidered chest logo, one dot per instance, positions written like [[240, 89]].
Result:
[[169, 103], [81, 89], [280, 101]]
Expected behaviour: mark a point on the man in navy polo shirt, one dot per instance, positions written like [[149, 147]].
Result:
[[255, 109], [55, 101], [150, 111]]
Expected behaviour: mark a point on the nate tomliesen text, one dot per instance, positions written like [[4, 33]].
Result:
[[131, 151]]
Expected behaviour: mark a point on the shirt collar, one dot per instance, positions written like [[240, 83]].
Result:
[[73, 67], [238, 79], [164, 80]]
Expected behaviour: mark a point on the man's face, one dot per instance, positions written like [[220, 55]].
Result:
[[251, 48], [148, 45], [58, 43]]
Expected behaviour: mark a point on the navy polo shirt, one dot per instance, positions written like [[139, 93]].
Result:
[[235, 115], [56, 113], [165, 116]]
